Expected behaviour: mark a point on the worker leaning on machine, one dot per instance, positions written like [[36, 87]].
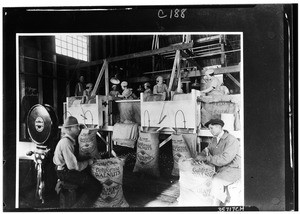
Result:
[[69, 169], [161, 87], [87, 93], [127, 92], [213, 85]]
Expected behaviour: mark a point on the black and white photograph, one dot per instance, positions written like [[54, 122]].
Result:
[[149, 108]]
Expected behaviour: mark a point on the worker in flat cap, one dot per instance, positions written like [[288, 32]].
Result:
[[70, 169], [127, 92], [160, 87], [213, 85], [224, 153]]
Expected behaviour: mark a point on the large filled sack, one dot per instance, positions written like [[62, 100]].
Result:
[[147, 154], [183, 146], [88, 143], [125, 134], [195, 183], [110, 173]]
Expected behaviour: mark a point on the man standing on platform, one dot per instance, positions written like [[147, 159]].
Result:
[[80, 87], [224, 153], [69, 169]]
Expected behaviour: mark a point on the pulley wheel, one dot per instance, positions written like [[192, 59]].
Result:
[[41, 123]]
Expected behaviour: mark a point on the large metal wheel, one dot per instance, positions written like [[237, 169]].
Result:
[[42, 123]]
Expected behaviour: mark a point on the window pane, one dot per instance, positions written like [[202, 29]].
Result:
[[63, 44], [58, 50], [75, 46], [64, 51], [69, 46]]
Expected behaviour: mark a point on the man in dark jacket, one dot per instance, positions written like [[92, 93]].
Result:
[[224, 153]]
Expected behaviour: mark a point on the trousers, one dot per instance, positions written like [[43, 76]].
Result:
[[91, 186], [223, 178]]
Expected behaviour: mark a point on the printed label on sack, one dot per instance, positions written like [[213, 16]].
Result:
[[110, 190], [201, 171], [39, 124], [144, 158], [101, 173]]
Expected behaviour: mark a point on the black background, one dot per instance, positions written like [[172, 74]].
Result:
[[268, 176]]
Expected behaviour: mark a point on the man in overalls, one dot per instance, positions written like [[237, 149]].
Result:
[[71, 170]]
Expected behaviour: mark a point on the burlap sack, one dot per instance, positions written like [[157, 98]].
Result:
[[110, 173], [88, 143], [183, 146], [195, 183], [147, 156]]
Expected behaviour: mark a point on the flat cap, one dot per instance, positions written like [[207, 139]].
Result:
[[215, 122]]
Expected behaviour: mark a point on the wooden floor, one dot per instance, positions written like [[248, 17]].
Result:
[[145, 191]]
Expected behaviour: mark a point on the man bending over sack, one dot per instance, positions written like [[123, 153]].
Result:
[[69, 169], [224, 153]]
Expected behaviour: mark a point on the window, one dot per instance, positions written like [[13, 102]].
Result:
[[75, 46]]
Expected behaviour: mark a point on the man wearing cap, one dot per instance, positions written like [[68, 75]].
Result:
[[224, 153], [213, 84], [69, 169]]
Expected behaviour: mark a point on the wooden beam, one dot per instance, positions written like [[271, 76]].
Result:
[[166, 75], [175, 65], [187, 54], [165, 141], [99, 78], [234, 80], [137, 55]]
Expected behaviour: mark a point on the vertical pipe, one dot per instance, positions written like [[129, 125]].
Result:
[[40, 72], [54, 82]]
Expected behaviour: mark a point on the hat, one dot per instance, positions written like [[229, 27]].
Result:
[[114, 86], [147, 84], [159, 78], [209, 71], [89, 85], [124, 83], [70, 121], [215, 122]]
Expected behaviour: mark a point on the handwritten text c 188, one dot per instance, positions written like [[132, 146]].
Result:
[[174, 13]]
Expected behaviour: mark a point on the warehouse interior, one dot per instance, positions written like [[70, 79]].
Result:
[[50, 66]]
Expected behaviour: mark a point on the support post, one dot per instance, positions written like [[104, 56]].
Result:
[[175, 64], [99, 78]]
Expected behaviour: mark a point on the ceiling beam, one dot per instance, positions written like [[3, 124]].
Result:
[[136, 55], [222, 70]]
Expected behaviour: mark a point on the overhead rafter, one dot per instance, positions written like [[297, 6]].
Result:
[[136, 55]]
